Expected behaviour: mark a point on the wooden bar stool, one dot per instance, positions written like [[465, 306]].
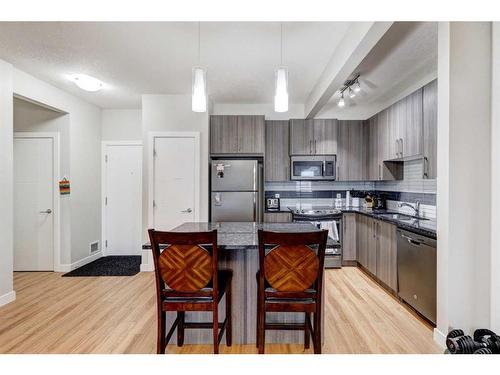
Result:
[[188, 279], [290, 279]]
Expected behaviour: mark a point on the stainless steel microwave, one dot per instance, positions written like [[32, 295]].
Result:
[[320, 167]]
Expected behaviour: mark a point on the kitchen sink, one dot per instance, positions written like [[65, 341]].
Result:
[[401, 217]]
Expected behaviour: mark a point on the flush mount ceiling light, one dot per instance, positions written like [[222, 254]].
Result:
[[352, 86], [281, 82], [199, 83], [86, 82]]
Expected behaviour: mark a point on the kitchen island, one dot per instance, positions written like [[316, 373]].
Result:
[[238, 245]]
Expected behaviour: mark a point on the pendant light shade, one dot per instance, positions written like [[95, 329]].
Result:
[[281, 90], [199, 100], [199, 82]]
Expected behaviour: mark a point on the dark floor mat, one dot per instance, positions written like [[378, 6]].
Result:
[[110, 266]]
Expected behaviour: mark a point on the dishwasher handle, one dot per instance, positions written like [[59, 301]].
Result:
[[411, 240]]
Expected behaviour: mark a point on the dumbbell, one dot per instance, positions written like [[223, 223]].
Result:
[[489, 338], [458, 343], [483, 351]]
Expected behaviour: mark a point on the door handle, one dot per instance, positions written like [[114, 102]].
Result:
[[188, 210], [47, 211]]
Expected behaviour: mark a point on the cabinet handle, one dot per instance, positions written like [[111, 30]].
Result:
[[426, 168], [315, 150], [310, 147], [379, 172], [402, 147], [397, 148]]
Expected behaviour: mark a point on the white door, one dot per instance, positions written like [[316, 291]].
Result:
[[174, 181], [33, 204], [123, 199]]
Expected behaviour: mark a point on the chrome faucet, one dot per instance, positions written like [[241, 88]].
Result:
[[415, 208]]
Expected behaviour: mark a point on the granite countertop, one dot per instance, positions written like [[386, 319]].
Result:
[[425, 226], [240, 235]]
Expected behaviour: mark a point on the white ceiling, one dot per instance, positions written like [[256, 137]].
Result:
[[402, 61], [135, 58]]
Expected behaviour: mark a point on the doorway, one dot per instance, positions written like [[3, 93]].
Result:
[[36, 203], [174, 179], [122, 197]]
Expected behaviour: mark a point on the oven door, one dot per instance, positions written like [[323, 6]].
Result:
[[307, 168]]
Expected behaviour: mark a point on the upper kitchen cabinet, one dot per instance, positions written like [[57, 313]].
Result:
[[277, 160], [301, 137], [405, 127], [236, 134], [351, 151], [223, 134], [430, 129], [251, 134], [313, 137], [325, 137], [377, 133]]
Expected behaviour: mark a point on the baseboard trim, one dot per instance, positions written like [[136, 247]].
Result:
[[7, 298], [147, 267], [439, 337], [79, 263]]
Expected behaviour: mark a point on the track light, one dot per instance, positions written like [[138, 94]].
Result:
[[341, 102], [357, 87], [352, 86]]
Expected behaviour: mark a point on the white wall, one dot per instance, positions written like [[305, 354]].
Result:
[[121, 124], [464, 170], [85, 161], [173, 113], [6, 183], [294, 110], [495, 180]]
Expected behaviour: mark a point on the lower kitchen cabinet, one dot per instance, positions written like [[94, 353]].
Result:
[[376, 245], [387, 267], [349, 238], [277, 217], [372, 241], [362, 239]]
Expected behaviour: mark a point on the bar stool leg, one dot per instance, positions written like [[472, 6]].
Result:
[[160, 342], [317, 332], [180, 328], [216, 327], [229, 317], [307, 334]]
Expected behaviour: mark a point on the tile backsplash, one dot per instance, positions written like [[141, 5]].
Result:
[[413, 188]]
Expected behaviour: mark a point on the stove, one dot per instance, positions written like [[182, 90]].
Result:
[[315, 214], [319, 216]]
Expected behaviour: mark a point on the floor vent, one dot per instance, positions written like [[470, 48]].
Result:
[[94, 246]]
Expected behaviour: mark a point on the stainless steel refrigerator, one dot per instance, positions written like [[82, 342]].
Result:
[[236, 190]]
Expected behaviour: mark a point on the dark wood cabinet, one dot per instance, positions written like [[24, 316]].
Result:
[[277, 157], [236, 134]]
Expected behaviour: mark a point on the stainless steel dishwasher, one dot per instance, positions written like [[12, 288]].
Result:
[[417, 272]]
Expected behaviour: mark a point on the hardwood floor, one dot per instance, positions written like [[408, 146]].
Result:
[[53, 314]]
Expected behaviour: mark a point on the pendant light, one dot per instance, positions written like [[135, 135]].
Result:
[[199, 83], [281, 82]]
